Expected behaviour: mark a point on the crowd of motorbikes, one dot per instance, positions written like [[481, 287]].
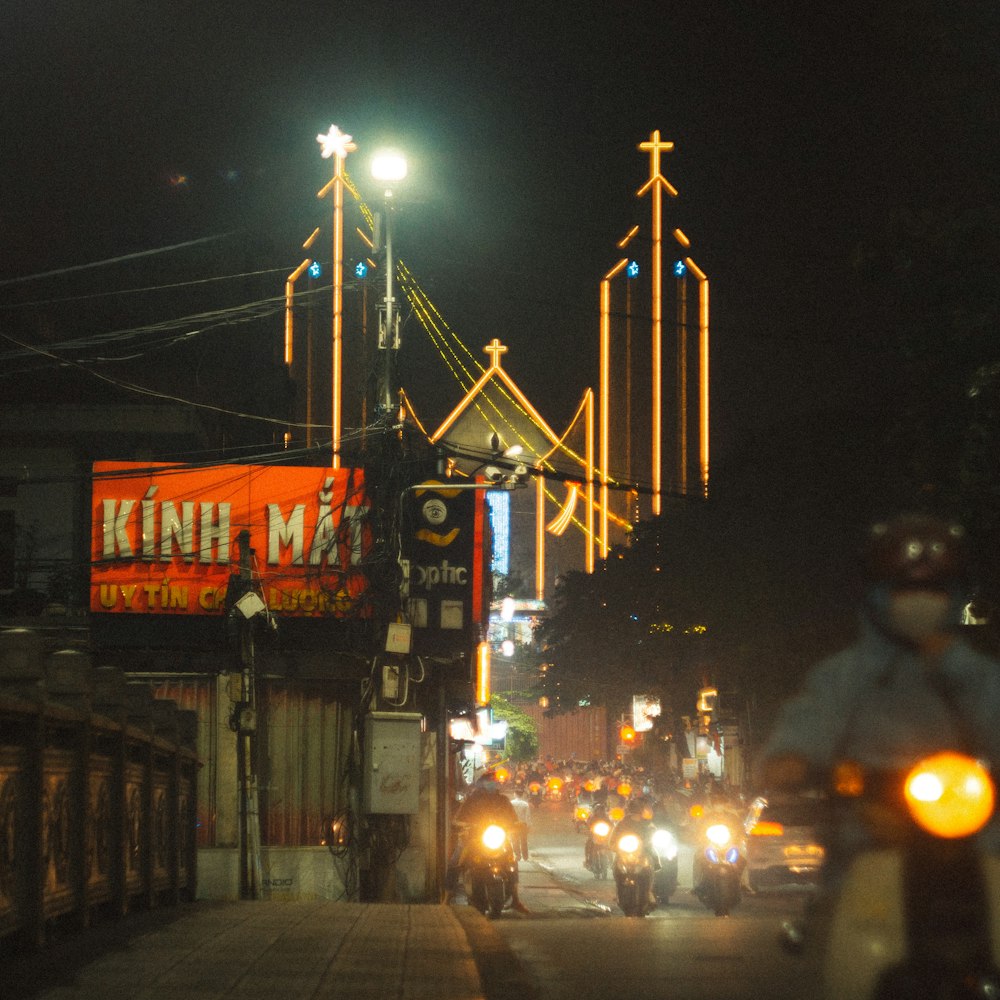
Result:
[[632, 832], [919, 905]]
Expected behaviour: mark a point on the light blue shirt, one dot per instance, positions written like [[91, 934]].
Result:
[[874, 703]]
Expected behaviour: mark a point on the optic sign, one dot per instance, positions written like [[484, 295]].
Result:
[[632, 269], [164, 539], [361, 269], [315, 269]]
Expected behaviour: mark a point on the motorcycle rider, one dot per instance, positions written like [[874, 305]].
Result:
[[718, 809], [485, 805], [908, 686], [599, 812], [638, 819]]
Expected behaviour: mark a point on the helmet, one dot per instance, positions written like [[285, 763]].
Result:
[[488, 781], [914, 551]]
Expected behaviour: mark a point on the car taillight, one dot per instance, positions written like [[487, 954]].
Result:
[[767, 829]]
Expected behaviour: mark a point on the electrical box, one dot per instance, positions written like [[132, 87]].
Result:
[[391, 762]]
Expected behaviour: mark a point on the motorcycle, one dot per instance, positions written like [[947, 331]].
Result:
[[536, 791], [490, 870], [598, 847], [633, 871], [665, 878], [917, 913], [721, 866]]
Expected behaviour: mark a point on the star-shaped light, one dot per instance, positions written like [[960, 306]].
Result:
[[336, 143]]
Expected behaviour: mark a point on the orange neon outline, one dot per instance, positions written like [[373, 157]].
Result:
[[605, 390], [336, 400], [657, 182], [589, 520], [483, 666], [703, 362], [540, 538], [682, 238], [561, 521], [627, 238], [496, 348], [289, 292]]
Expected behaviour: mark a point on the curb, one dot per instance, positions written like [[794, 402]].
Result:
[[501, 973]]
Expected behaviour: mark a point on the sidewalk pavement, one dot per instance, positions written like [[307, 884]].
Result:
[[279, 951]]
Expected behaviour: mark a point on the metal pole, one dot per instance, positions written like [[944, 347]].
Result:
[[388, 402]]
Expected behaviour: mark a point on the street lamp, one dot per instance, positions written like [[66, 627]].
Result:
[[388, 166]]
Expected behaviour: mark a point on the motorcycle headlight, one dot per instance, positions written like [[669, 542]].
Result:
[[493, 837], [601, 828], [665, 844], [628, 843], [718, 834], [950, 795]]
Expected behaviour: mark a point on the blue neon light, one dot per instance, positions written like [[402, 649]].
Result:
[[361, 269], [315, 269], [680, 269], [499, 504], [632, 270]]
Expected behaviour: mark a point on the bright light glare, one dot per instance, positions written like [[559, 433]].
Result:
[[388, 165], [494, 837], [601, 829], [629, 843], [336, 143], [665, 844], [950, 795], [926, 787], [718, 834]]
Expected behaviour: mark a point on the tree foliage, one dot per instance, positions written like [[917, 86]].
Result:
[[522, 733], [631, 627]]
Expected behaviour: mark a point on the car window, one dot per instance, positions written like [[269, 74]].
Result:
[[791, 813]]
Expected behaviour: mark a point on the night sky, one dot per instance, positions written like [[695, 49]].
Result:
[[796, 133]]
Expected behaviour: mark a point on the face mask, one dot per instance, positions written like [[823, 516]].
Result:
[[916, 615]]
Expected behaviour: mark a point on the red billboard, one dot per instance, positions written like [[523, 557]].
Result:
[[164, 538]]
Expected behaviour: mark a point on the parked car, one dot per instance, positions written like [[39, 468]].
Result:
[[782, 842]]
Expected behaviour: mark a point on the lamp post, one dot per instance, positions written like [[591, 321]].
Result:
[[388, 166]]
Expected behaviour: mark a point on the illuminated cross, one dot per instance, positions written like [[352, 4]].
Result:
[[655, 147], [494, 348], [336, 143]]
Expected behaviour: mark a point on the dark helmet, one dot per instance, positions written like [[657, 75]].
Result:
[[915, 551]]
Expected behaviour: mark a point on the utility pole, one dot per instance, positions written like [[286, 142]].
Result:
[[243, 605]]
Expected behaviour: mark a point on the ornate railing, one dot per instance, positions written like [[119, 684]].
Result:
[[97, 792]]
